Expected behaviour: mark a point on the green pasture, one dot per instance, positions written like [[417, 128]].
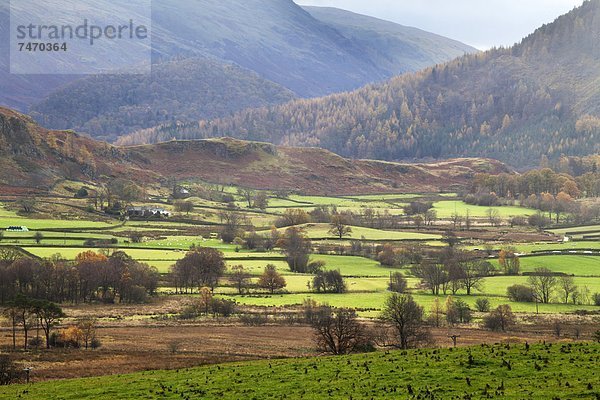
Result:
[[526, 248], [537, 372], [321, 231], [572, 265], [40, 224], [563, 231], [372, 302], [445, 209]]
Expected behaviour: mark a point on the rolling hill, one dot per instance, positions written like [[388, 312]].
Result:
[[540, 97], [32, 157]]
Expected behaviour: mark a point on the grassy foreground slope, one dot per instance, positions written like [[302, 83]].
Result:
[[553, 371]]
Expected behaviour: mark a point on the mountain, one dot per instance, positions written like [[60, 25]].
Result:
[[193, 88], [540, 97], [395, 48], [276, 39], [32, 157]]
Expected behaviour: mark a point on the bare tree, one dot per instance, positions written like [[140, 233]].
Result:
[[473, 272], [87, 325], [567, 286], [247, 194], [432, 275], [183, 206], [398, 283], [338, 331], [340, 226], [296, 247], [493, 216], [543, 283], [240, 278], [406, 316]]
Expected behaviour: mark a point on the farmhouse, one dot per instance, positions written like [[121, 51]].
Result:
[[147, 212]]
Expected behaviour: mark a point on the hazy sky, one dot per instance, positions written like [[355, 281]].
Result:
[[480, 23]]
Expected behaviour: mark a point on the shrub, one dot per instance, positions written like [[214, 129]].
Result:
[[36, 342], [459, 312], [9, 373], [254, 319], [95, 343], [482, 305], [223, 307], [520, 293], [329, 282], [597, 299], [501, 319], [81, 193]]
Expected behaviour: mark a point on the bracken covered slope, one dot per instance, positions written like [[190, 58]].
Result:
[[35, 158]]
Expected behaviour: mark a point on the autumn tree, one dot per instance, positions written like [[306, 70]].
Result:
[[200, 267], [293, 217], [271, 279], [509, 261]]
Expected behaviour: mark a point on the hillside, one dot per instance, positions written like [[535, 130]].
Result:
[[33, 157], [391, 46], [188, 89], [540, 97]]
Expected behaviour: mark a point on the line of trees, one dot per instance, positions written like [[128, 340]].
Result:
[[26, 314], [454, 271], [91, 277], [544, 286]]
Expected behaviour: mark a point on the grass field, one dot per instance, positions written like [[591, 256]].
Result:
[[320, 231], [445, 209], [572, 265], [50, 223], [533, 247], [498, 371]]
